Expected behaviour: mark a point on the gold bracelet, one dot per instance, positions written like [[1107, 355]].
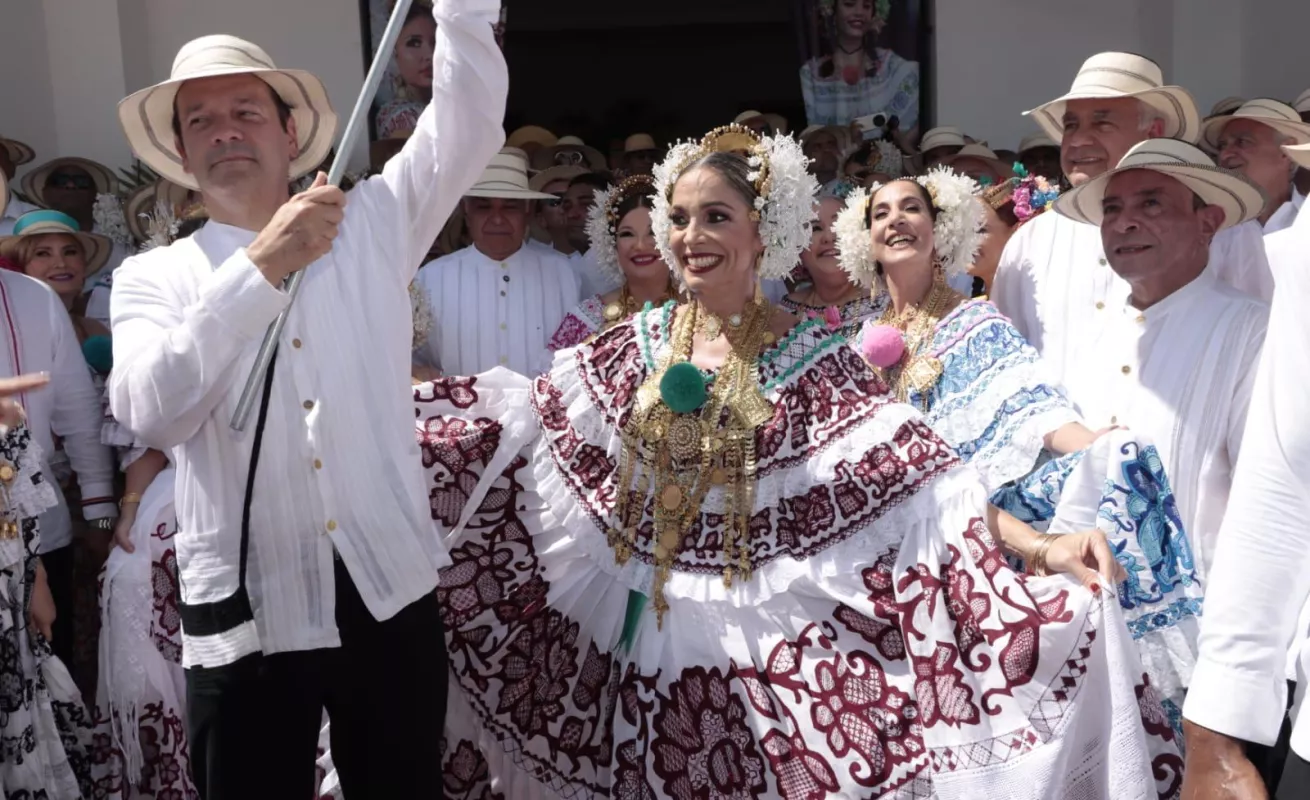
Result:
[[131, 498], [1039, 558]]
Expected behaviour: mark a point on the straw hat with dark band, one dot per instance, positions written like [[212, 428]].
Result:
[[506, 177], [18, 152], [106, 182], [1109, 75], [147, 115], [1279, 116], [1240, 199]]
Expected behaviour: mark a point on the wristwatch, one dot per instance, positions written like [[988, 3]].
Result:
[[102, 524]]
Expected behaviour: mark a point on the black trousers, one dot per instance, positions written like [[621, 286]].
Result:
[[254, 725], [1271, 760], [59, 576], [1295, 782]]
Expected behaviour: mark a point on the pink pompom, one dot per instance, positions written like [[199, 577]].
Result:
[[882, 345]]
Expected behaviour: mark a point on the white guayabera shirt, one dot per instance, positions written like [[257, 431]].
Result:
[[339, 467]]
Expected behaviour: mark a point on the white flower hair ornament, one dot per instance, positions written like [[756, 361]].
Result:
[[786, 189], [956, 233], [603, 223], [854, 246]]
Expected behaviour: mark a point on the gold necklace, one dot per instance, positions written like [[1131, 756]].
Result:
[[918, 371], [626, 305], [682, 441]]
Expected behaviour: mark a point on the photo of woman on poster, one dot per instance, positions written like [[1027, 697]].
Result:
[[411, 79], [857, 65], [407, 87]]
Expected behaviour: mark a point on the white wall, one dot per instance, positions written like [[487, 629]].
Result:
[[26, 110], [998, 58]]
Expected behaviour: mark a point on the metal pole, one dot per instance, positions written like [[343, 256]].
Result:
[[357, 124]]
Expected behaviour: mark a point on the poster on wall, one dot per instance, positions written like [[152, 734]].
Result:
[[407, 86], [861, 63]]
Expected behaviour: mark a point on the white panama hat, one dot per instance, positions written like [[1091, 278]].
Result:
[[1107, 75], [147, 115], [507, 177], [1240, 199], [1279, 116]]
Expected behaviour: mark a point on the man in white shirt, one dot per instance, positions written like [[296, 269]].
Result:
[[578, 201], [497, 302], [1250, 141], [1287, 248], [13, 154], [1054, 281], [335, 608], [36, 335], [1175, 356], [1259, 592]]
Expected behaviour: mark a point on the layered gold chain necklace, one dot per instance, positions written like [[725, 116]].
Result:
[[687, 440], [918, 371], [625, 305]]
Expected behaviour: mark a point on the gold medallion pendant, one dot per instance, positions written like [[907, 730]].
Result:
[[7, 472], [922, 373], [613, 312], [683, 439]]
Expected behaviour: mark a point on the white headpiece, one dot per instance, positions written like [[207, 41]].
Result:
[[784, 207], [956, 232], [603, 222]]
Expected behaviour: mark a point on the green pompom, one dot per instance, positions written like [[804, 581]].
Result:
[[682, 388]]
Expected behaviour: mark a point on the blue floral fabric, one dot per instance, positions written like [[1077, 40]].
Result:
[[1161, 595]]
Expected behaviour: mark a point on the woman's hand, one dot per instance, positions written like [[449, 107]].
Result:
[[123, 528], [1086, 556], [41, 612]]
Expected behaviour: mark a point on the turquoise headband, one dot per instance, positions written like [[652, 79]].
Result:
[[45, 215]]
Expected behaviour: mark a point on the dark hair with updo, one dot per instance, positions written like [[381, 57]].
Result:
[[644, 198], [923, 193], [418, 9], [733, 168]]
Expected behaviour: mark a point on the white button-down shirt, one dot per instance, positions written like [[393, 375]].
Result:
[[491, 313], [1287, 248], [1180, 372], [1054, 279], [339, 467], [36, 335], [1261, 580]]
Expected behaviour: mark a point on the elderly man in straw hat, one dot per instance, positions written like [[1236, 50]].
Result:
[[1258, 596], [1054, 281], [307, 569], [496, 302], [1250, 140], [1174, 357]]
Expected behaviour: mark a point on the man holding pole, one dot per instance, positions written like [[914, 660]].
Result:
[[307, 566]]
